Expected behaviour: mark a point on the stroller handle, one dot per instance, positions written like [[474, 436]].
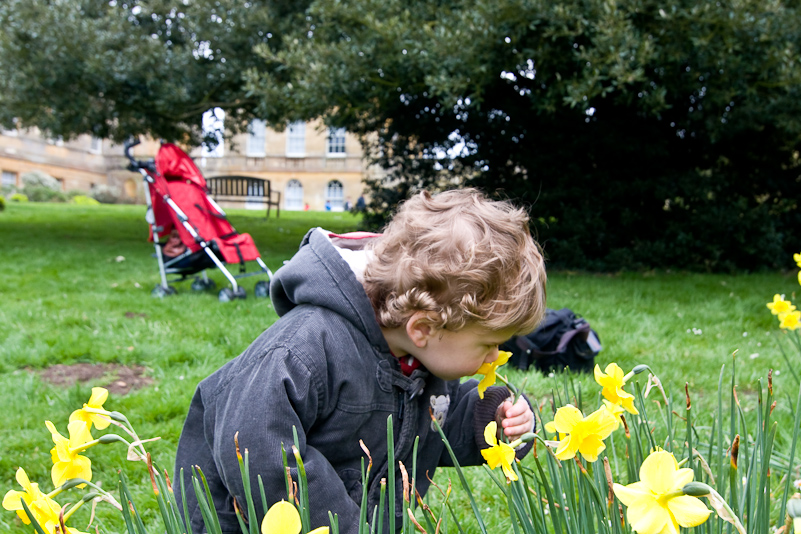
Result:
[[135, 164]]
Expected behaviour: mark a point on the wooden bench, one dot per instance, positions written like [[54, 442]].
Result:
[[243, 189]]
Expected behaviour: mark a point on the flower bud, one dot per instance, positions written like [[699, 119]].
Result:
[[696, 489], [639, 368]]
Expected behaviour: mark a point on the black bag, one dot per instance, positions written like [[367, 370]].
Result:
[[563, 339]]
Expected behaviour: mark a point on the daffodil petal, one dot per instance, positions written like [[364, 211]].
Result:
[[99, 396], [598, 374], [689, 511], [490, 433], [319, 530], [550, 427], [12, 500], [682, 478], [79, 433], [657, 471], [591, 447], [566, 450], [487, 381], [646, 516], [566, 418], [614, 371], [632, 492], [281, 518], [503, 357]]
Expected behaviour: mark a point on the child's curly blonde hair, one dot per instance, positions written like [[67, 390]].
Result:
[[463, 258]]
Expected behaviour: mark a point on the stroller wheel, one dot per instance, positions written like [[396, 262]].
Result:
[[262, 289], [240, 293], [202, 285], [226, 294], [160, 292]]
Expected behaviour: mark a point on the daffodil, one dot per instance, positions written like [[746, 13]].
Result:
[[67, 463], [489, 369], [613, 380], [283, 518], [656, 504], [581, 434], [38, 503], [99, 396], [499, 453], [790, 320], [797, 259], [779, 305]]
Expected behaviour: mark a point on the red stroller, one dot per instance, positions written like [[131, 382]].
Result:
[[177, 200]]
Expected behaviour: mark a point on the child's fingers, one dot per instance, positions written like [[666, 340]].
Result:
[[519, 419]]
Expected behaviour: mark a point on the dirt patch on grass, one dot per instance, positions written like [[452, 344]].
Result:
[[117, 379]]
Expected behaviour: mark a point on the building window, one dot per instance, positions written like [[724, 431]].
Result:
[[336, 142], [9, 179], [293, 196], [96, 146], [334, 196], [296, 140], [213, 130], [257, 139]]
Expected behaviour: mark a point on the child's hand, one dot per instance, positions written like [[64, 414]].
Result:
[[518, 419]]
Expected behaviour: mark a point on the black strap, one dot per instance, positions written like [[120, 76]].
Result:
[[529, 347], [226, 236], [241, 258], [213, 214]]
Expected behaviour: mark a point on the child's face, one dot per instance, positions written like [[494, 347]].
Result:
[[451, 355]]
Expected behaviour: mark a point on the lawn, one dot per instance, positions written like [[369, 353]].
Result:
[[75, 286]]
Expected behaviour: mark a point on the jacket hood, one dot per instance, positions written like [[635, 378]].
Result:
[[319, 276]]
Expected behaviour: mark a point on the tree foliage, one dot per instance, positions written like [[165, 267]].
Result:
[[640, 133]]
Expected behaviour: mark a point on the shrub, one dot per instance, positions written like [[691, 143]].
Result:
[[83, 200], [106, 194], [40, 193], [40, 179], [18, 197]]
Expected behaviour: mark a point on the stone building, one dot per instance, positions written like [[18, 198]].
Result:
[[312, 167]]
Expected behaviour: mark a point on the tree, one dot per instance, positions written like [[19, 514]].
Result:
[[120, 68], [638, 132]]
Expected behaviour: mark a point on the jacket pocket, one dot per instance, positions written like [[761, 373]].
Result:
[[352, 479]]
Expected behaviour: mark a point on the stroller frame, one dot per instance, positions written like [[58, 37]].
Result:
[[170, 266]]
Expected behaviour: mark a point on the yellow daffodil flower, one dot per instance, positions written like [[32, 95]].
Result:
[[779, 305], [612, 380], [67, 463], [581, 434], [656, 504], [39, 504], [790, 320], [488, 370], [283, 518], [99, 396], [499, 453], [797, 259]]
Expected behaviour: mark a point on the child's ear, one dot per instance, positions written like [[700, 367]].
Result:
[[419, 329]]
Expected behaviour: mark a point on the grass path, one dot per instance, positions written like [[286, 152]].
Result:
[[65, 298]]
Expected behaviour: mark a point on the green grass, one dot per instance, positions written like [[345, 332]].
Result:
[[64, 299]]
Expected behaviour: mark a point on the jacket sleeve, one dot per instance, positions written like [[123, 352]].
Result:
[[262, 402], [467, 420]]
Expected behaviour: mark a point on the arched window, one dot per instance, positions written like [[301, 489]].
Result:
[[335, 195], [293, 196]]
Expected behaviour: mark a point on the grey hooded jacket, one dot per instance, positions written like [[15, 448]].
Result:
[[325, 370]]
